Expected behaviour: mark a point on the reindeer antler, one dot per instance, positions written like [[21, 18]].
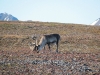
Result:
[[35, 37]]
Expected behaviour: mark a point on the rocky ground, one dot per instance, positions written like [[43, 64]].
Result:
[[26, 62]]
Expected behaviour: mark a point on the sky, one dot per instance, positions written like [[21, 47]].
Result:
[[63, 11]]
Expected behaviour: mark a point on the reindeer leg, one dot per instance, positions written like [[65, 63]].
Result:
[[49, 46], [57, 47], [44, 47], [44, 50]]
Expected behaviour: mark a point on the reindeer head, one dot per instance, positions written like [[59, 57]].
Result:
[[33, 46]]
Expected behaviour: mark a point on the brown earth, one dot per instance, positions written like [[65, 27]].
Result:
[[79, 50]]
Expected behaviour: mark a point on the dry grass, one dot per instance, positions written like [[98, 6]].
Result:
[[74, 37]]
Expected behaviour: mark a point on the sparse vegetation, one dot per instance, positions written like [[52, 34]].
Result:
[[79, 51]]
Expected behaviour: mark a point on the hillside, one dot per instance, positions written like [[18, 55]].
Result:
[[73, 37], [79, 49]]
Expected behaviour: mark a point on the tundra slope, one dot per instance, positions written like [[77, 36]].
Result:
[[79, 49]]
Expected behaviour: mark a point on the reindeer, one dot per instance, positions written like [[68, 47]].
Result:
[[47, 40]]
